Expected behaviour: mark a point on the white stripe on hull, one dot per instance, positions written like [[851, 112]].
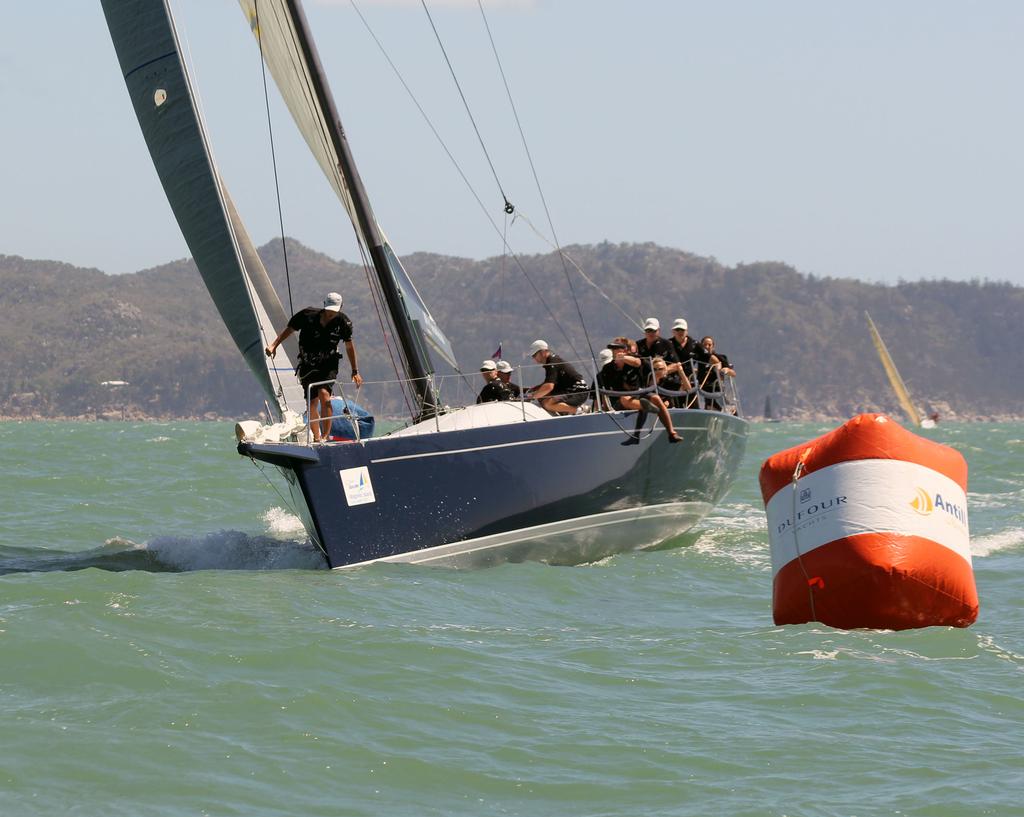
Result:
[[571, 541]]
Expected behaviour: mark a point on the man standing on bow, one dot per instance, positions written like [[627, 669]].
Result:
[[320, 332]]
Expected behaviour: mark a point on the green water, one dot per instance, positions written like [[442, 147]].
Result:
[[170, 644]]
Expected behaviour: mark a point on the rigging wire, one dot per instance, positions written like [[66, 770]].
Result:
[[509, 207], [273, 157], [378, 306], [536, 179], [469, 186], [811, 582], [578, 268]]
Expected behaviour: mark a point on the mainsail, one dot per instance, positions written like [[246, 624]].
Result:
[[161, 92], [277, 25], [898, 385]]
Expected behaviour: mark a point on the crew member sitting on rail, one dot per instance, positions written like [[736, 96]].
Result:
[[505, 375], [494, 390], [652, 344], [623, 374], [667, 376], [716, 380], [563, 390]]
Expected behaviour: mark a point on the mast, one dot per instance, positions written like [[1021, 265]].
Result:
[[417, 360]]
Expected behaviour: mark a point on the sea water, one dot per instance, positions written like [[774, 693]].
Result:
[[172, 644]]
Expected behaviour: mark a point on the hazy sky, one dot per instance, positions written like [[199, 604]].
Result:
[[879, 140]]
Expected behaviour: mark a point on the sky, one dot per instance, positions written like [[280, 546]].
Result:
[[872, 140]]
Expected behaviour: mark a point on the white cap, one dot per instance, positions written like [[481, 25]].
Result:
[[504, 366], [332, 303], [651, 323], [680, 323], [538, 346], [604, 357], [488, 366]]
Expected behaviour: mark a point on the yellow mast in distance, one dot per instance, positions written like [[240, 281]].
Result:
[[898, 385]]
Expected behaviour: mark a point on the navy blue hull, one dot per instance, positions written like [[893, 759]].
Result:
[[564, 490]]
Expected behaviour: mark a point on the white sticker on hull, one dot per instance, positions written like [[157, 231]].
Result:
[[357, 485], [867, 496]]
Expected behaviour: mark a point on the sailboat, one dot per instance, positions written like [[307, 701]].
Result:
[[463, 486], [898, 386]]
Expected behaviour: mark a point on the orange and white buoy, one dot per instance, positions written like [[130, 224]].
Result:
[[868, 528]]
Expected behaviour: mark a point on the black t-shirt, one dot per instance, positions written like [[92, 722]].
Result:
[[565, 378], [691, 349], [717, 379], [615, 379], [647, 351], [494, 391], [659, 346], [514, 389], [318, 344]]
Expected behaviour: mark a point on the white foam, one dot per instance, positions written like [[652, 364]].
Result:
[[995, 542], [283, 523], [988, 644], [234, 550], [820, 655], [735, 533]]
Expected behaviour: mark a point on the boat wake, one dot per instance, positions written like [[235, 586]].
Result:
[[221, 550]]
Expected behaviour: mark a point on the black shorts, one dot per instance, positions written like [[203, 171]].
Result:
[[574, 399], [306, 378]]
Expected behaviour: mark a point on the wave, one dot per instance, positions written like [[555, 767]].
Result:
[[221, 550], [995, 542]]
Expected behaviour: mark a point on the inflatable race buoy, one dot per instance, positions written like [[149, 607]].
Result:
[[868, 528]]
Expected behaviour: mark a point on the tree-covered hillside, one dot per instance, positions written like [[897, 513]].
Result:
[[801, 339]]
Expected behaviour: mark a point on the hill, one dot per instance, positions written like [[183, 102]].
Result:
[[68, 332]]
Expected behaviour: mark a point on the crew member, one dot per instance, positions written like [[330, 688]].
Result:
[[494, 390], [505, 375], [563, 390], [623, 374], [320, 332]]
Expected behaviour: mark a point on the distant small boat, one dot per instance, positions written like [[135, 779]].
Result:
[[898, 386], [768, 416]]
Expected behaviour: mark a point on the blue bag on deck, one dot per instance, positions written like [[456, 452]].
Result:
[[341, 426]]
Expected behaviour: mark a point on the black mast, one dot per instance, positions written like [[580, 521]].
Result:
[[409, 338]]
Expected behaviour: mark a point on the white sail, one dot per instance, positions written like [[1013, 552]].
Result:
[[898, 386], [270, 315]]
